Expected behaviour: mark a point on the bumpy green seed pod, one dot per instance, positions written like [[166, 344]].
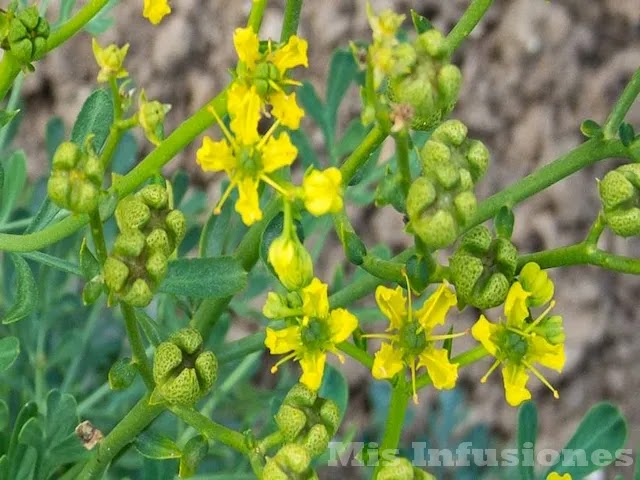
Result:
[[308, 420], [401, 469], [76, 178], [432, 85], [28, 34], [437, 213], [451, 157], [620, 195], [291, 462], [181, 370], [149, 234], [483, 268]]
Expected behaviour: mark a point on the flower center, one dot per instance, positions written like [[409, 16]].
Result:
[[412, 341], [266, 76], [315, 335], [249, 161], [512, 345]]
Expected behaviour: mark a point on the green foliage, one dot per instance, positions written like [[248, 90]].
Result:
[[95, 118], [204, 277]]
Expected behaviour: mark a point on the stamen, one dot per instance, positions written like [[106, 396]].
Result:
[[290, 81], [541, 317], [274, 369], [268, 135], [409, 302], [274, 85], [491, 370], [383, 336], [225, 195], [537, 373], [412, 367], [448, 336], [278, 188], [338, 354], [223, 127]]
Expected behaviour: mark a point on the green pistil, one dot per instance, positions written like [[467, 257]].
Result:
[[512, 345], [249, 162], [412, 340], [315, 335]]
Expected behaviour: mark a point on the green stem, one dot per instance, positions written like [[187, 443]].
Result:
[[464, 359], [580, 157], [98, 236], [152, 163], [257, 13], [622, 106], [211, 429], [138, 354], [291, 19], [357, 354], [402, 157], [386, 270], [361, 154], [596, 230], [582, 254], [75, 24], [395, 421], [134, 422], [467, 23]]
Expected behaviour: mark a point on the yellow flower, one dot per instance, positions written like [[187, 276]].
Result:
[[155, 10], [322, 191], [110, 60], [245, 156], [516, 345], [412, 343], [267, 71], [310, 335], [557, 476]]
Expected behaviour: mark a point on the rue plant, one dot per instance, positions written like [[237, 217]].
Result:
[[146, 327]]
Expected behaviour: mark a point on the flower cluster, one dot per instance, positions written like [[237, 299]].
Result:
[[249, 158]]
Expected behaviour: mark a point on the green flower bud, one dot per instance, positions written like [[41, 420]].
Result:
[[181, 370], [92, 290], [151, 118], [27, 36], [276, 306], [437, 213], [76, 178], [483, 268], [291, 262], [150, 233], [432, 84], [291, 462], [448, 154], [308, 420], [620, 195], [398, 469], [552, 329]]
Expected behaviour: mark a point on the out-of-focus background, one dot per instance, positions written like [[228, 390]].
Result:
[[533, 70]]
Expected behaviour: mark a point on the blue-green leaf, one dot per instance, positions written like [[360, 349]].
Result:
[[421, 24], [9, 351], [15, 177], [155, 446], [95, 117], [54, 135], [314, 107], [527, 433], [26, 294], [603, 428], [204, 277], [342, 71]]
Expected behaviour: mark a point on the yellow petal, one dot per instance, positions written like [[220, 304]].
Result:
[[292, 54], [515, 306], [515, 378], [557, 476], [312, 364], [546, 354], [342, 323], [315, 300], [215, 156], [155, 10], [393, 304], [247, 45], [278, 152], [286, 109], [387, 362], [483, 331], [248, 204], [322, 191], [282, 341], [436, 307], [442, 372], [245, 115]]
